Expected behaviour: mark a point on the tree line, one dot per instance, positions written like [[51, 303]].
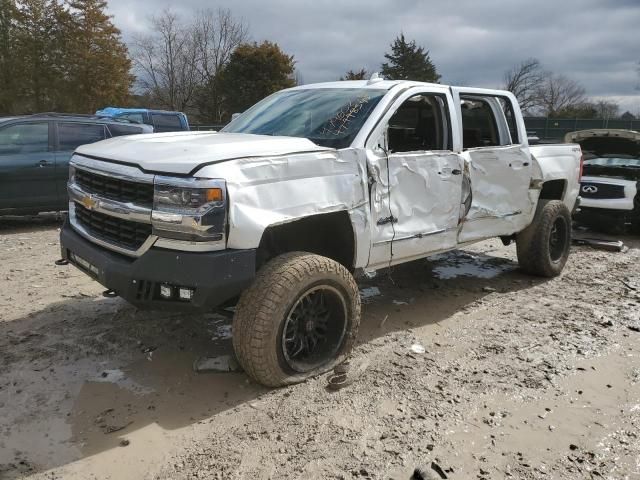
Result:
[[68, 56], [60, 56]]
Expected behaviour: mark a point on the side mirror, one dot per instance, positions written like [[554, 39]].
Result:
[[234, 116]]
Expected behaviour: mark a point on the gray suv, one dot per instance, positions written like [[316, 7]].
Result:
[[35, 152]]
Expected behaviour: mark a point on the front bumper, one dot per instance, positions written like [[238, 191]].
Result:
[[215, 277]]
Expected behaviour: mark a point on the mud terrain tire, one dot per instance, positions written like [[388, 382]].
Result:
[[543, 247], [295, 295]]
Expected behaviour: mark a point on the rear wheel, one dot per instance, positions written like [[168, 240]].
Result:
[[543, 247], [298, 319]]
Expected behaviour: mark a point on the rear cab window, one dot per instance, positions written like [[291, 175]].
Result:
[[72, 135]]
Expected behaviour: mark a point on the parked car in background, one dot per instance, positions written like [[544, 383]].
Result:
[[160, 120], [34, 157], [610, 187]]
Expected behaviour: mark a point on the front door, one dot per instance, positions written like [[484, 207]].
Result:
[[417, 185], [27, 167]]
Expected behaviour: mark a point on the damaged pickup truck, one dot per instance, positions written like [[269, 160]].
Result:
[[610, 188], [280, 210]]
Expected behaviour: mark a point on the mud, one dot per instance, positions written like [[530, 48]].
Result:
[[520, 378]]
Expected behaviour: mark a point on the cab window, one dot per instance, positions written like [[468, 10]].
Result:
[[420, 123], [24, 138]]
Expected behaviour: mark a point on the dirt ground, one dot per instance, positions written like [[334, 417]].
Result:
[[520, 377]]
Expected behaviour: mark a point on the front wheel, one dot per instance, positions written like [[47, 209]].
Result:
[[299, 318], [543, 247]]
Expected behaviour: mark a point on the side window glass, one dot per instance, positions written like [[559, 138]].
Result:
[[24, 138], [72, 135], [420, 123], [166, 123], [479, 126]]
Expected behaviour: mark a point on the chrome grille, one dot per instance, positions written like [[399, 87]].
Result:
[[114, 188], [122, 233]]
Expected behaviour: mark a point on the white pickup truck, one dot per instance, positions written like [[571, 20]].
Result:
[[280, 210]]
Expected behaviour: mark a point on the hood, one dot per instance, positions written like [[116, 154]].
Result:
[[600, 142], [184, 152]]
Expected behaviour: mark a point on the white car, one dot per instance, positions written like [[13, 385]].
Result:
[[313, 185], [610, 186]]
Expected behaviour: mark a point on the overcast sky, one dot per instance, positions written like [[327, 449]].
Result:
[[472, 42]]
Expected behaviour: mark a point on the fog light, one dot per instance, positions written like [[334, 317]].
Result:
[[185, 293], [166, 291]]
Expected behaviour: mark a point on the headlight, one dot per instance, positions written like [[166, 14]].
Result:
[[187, 200], [189, 209]]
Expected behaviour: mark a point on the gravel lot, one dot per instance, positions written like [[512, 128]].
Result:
[[521, 377]]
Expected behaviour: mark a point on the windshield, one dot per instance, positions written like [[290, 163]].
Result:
[[329, 117]]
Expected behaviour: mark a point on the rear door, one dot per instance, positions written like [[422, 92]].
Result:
[[27, 166], [500, 167], [420, 180], [70, 135]]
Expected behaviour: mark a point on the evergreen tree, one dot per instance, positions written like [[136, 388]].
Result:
[[355, 75], [407, 61], [39, 47], [254, 72], [97, 59], [8, 60]]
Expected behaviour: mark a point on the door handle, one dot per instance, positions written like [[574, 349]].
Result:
[[456, 172], [44, 163]]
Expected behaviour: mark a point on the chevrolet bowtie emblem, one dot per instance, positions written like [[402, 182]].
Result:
[[88, 203]]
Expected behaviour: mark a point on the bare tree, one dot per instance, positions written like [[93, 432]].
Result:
[[524, 81], [558, 93], [217, 36], [167, 62], [606, 109]]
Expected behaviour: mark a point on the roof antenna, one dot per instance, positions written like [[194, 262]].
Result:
[[375, 78]]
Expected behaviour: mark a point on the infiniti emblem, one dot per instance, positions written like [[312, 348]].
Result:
[[589, 189]]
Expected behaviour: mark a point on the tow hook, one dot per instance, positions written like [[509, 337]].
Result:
[[62, 262], [109, 294]]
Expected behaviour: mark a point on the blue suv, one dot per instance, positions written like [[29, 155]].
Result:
[[161, 120]]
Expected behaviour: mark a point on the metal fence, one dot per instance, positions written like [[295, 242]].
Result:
[[556, 128]]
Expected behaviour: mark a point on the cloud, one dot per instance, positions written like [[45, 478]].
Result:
[[471, 42]]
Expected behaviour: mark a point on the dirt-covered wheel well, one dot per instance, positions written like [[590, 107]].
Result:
[[330, 235], [553, 190]]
